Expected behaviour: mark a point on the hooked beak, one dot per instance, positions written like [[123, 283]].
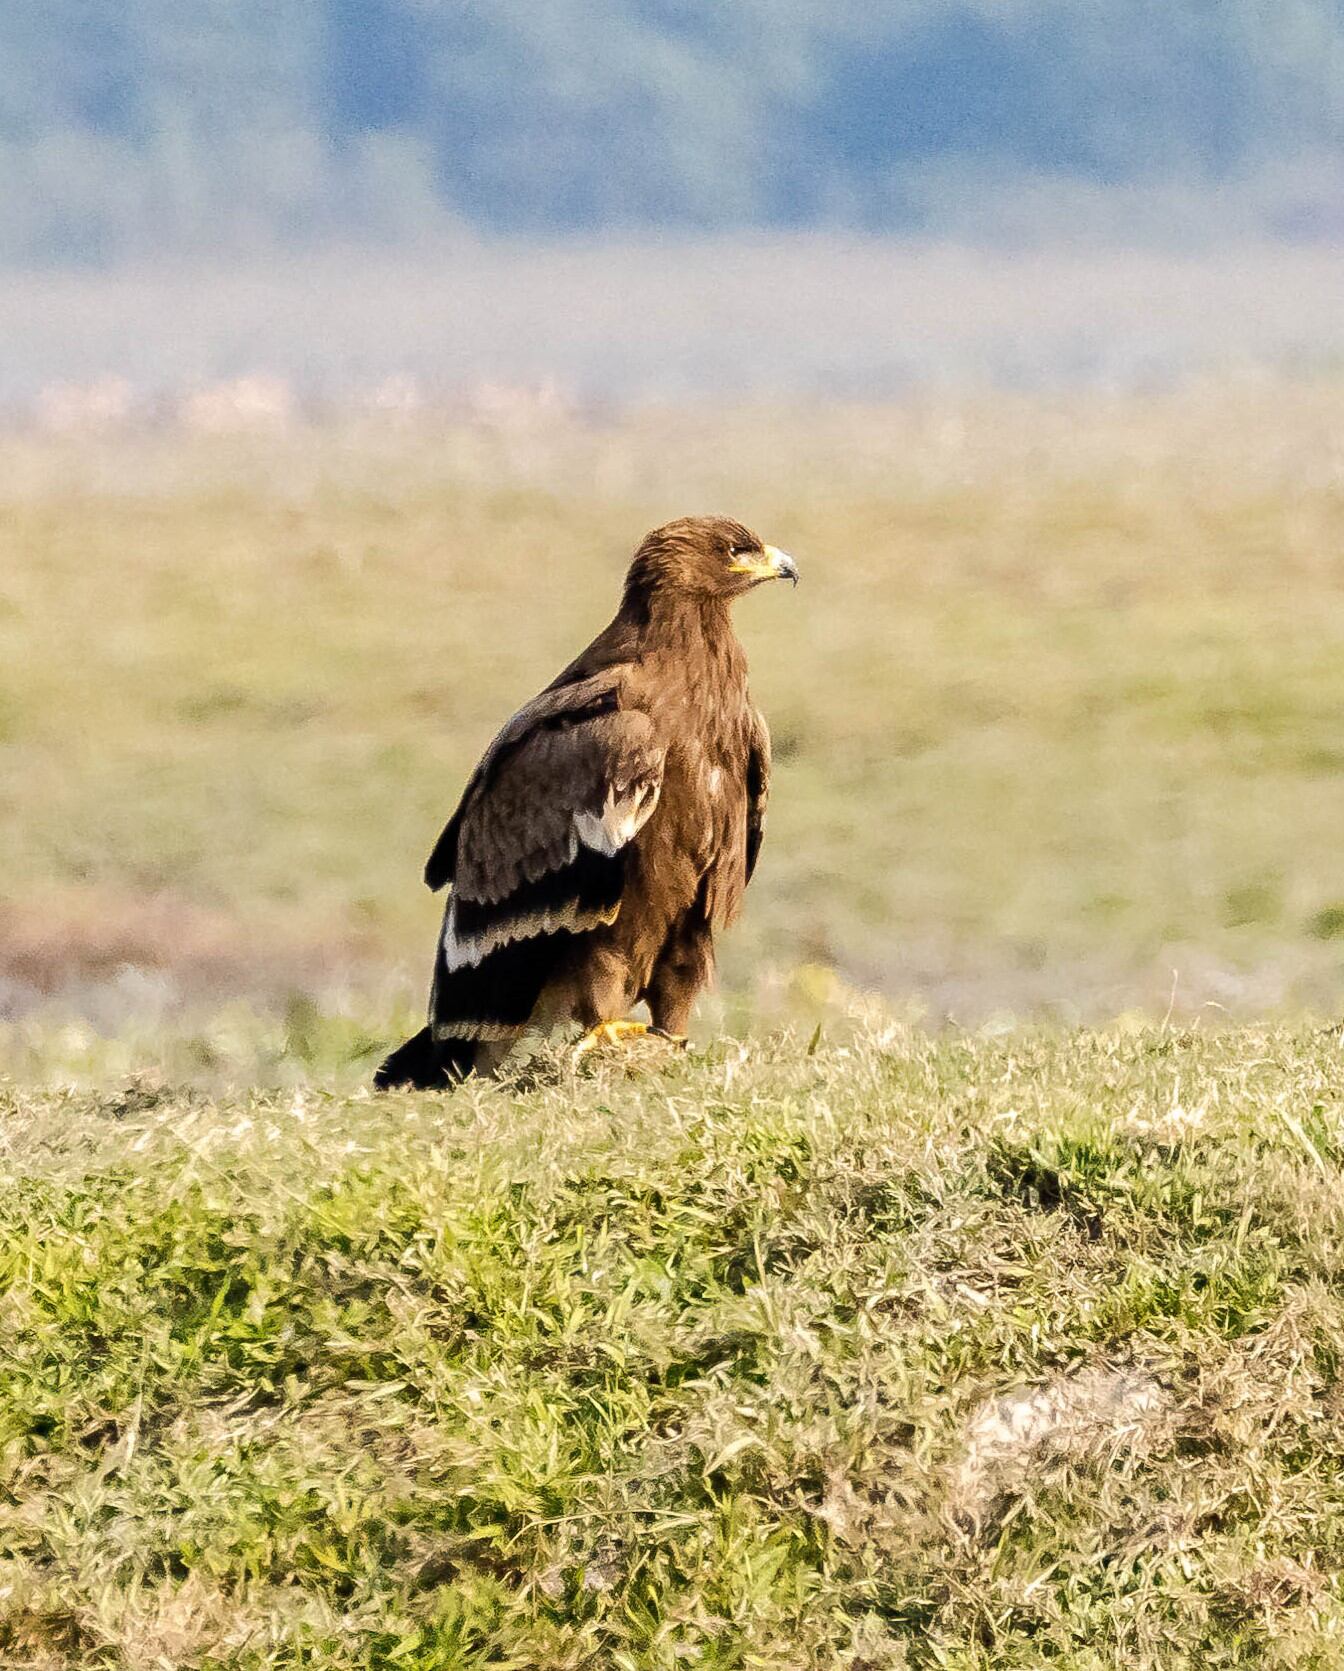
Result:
[[772, 564]]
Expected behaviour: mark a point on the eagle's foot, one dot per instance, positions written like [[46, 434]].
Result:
[[608, 1032], [631, 1034]]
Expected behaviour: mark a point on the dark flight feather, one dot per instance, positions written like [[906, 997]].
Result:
[[758, 792], [492, 999], [588, 889], [421, 1064]]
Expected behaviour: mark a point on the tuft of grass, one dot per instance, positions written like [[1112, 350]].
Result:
[[1328, 923], [967, 1352]]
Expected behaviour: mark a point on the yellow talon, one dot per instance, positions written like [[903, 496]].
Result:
[[608, 1032], [623, 1032]]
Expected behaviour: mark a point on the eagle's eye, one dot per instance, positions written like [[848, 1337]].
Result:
[[740, 550]]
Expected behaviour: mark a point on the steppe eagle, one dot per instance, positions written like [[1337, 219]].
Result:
[[612, 825]]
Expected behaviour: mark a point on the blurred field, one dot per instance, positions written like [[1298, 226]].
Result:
[[1057, 706]]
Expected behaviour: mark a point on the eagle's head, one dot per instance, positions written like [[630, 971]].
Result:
[[707, 556]]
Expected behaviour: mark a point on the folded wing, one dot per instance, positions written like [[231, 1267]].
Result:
[[537, 852]]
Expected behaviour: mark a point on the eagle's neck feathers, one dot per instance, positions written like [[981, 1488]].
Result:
[[686, 642]]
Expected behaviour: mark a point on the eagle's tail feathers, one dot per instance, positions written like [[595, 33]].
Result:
[[425, 1063]]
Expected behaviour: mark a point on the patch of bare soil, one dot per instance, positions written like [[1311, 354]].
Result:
[[81, 950]]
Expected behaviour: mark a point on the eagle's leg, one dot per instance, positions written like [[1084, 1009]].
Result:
[[605, 990], [602, 991], [683, 967]]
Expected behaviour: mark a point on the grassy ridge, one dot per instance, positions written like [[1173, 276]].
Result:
[[905, 1352]]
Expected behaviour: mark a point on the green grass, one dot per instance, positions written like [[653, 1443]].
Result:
[[890, 1351]]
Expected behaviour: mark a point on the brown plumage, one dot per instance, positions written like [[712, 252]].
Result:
[[613, 824]]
